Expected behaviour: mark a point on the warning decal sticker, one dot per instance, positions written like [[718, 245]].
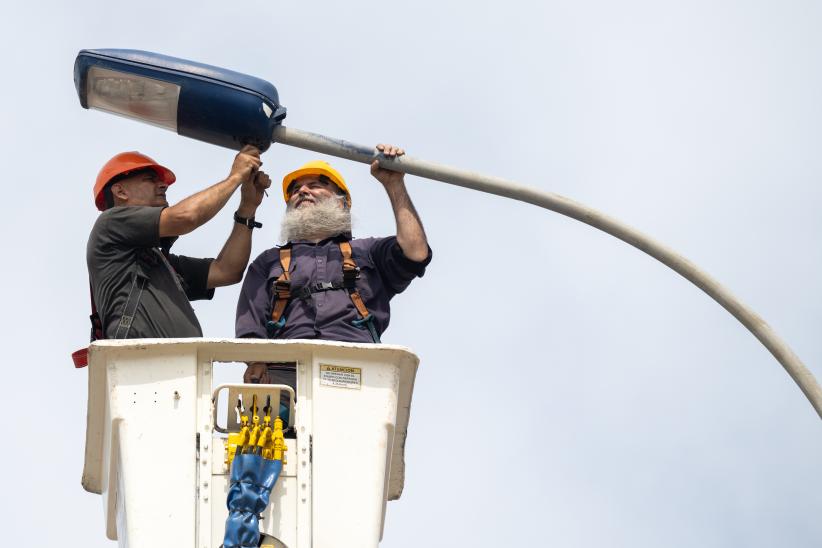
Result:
[[341, 377]]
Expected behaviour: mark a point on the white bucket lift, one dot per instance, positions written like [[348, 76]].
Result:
[[155, 456]]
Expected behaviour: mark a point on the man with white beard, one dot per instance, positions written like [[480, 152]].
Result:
[[322, 283]]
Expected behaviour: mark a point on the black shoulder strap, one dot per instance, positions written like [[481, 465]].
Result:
[[138, 284], [96, 323], [80, 357]]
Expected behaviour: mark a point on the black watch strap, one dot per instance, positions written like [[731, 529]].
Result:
[[250, 222]]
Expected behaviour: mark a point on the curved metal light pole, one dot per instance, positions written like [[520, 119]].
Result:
[[231, 109], [509, 189]]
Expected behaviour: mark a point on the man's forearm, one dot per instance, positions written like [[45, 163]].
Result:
[[410, 233], [199, 208], [230, 264]]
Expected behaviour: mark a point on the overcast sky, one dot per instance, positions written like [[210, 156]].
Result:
[[572, 391]]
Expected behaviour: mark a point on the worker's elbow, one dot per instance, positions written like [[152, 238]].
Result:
[[234, 277], [417, 256], [415, 249], [415, 253], [219, 276]]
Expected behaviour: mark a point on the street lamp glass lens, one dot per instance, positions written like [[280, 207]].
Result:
[[136, 97]]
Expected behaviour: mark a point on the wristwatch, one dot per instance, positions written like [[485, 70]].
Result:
[[250, 222]]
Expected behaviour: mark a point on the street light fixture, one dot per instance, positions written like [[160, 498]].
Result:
[[230, 109], [218, 106]]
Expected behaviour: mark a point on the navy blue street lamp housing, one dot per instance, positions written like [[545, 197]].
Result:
[[230, 109], [207, 103]]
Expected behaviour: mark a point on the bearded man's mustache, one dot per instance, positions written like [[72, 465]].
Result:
[[326, 218]]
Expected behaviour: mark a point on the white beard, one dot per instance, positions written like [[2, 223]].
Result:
[[316, 222]]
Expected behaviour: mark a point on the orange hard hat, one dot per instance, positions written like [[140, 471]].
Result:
[[123, 163], [317, 167]]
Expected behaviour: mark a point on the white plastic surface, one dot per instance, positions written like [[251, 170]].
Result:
[[150, 403], [136, 97]]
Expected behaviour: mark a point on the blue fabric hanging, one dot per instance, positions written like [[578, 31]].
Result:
[[252, 479]]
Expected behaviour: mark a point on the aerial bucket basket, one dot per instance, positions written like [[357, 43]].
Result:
[[160, 442]]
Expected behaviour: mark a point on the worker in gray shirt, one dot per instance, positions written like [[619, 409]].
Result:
[[139, 289]]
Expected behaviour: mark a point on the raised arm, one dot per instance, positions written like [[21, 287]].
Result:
[[199, 208], [410, 233], [228, 267]]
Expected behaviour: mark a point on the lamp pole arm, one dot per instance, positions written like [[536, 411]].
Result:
[[548, 200]]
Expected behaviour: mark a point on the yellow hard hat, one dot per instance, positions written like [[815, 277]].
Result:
[[317, 167]]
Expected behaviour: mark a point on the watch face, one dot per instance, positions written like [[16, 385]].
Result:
[[250, 222]]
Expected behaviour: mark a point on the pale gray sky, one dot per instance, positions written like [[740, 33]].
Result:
[[603, 400]]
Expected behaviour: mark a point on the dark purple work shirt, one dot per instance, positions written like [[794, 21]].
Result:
[[384, 272]]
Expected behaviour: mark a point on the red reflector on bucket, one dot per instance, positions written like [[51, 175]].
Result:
[[80, 358]]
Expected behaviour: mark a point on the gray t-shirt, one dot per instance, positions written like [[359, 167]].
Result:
[[125, 242]]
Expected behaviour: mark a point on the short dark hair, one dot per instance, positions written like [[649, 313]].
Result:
[[107, 194], [108, 197]]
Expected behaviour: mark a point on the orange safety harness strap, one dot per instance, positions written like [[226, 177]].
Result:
[[350, 274], [281, 291]]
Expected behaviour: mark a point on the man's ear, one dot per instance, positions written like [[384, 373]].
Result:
[[119, 192]]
